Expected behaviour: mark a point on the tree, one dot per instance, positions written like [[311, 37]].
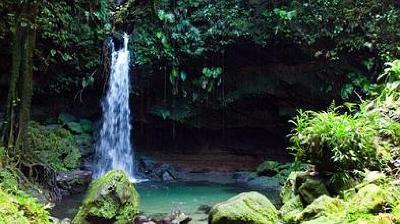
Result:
[[20, 87]]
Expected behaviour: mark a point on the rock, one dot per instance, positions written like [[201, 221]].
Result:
[[157, 171], [323, 206], [75, 181], [244, 177], [204, 208], [268, 168], [265, 184], [370, 198], [288, 189], [249, 208], [381, 218], [111, 198], [310, 188], [290, 210], [141, 219], [324, 220], [167, 176]]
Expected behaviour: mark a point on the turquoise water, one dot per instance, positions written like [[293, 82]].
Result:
[[158, 199]]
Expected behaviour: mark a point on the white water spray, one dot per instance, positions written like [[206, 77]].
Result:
[[114, 149]]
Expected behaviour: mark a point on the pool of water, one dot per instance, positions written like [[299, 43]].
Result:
[[158, 199]]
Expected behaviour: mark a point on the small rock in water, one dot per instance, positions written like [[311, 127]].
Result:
[[74, 181], [167, 176], [204, 208]]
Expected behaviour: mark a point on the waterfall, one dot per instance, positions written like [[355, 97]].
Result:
[[114, 149]]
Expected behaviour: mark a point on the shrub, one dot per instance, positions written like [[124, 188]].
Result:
[[55, 147], [335, 142], [22, 208]]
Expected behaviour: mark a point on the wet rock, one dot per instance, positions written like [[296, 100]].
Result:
[[249, 208], [268, 168], [111, 198], [204, 208], [63, 221], [244, 177], [265, 183], [167, 176], [157, 171], [75, 181]]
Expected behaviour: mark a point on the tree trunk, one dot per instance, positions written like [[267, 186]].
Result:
[[20, 88]]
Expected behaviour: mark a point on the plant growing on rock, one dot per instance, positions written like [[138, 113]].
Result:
[[55, 147]]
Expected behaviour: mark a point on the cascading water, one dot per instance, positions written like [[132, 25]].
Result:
[[114, 149]]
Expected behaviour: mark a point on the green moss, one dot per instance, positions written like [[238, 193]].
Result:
[[323, 206], [370, 198], [311, 188], [8, 181], [324, 220], [288, 189], [55, 147], [268, 168], [21, 209], [381, 218], [249, 208], [291, 209], [112, 198]]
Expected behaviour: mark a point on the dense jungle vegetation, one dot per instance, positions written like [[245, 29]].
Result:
[[320, 80]]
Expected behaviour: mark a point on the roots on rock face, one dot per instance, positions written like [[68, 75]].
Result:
[[41, 174]]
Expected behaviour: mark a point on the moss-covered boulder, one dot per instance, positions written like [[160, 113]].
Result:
[[291, 209], [323, 206], [110, 199], [268, 168], [249, 208], [310, 188], [21, 209], [370, 198], [288, 189]]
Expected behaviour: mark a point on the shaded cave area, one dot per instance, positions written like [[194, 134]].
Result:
[[263, 88]]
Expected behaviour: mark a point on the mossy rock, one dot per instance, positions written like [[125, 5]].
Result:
[[248, 207], [268, 168], [111, 198], [291, 209], [381, 218], [21, 209], [323, 206], [369, 199], [324, 220], [288, 189], [310, 188]]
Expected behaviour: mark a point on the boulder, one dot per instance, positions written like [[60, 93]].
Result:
[[288, 189], [310, 188], [265, 183], [291, 209], [268, 168], [370, 198], [75, 181], [323, 206], [111, 198], [248, 207]]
